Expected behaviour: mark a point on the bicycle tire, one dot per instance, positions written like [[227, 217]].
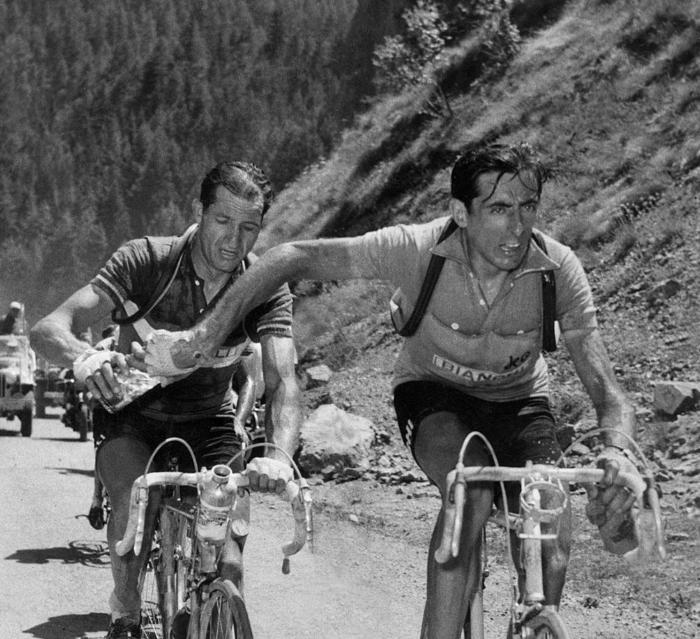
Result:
[[547, 625], [162, 583], [224, 615], [151, 618]]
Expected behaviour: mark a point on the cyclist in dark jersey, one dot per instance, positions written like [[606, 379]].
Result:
[[233, 199]]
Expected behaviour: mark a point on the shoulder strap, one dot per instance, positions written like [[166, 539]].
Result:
[[177, 250], [549, 302], [431, 277]]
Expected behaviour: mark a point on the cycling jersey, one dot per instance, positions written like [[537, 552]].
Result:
[[130, 276], [492, 351]]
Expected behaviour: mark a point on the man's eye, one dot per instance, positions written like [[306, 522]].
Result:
[[530, 208]]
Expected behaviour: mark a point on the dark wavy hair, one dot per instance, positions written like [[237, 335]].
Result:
[[241, 178], [501, 158]]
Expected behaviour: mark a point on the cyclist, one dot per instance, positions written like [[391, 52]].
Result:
[[233, 199], [475, 361]]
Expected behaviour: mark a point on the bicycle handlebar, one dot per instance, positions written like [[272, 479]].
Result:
[[133, 535], [458, 478]]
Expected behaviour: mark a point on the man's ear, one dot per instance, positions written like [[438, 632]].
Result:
[[197, 210], [459, 212]]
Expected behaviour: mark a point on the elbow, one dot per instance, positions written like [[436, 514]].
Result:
[[291, 259]]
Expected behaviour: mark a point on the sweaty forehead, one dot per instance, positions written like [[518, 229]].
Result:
[[247, 204], [520, 185]]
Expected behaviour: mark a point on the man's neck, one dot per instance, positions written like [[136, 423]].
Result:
[[214, 279]]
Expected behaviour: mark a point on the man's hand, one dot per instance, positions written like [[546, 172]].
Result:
[[96, 370], [613, 507], [171, 354], [241, 432], [267, 474]]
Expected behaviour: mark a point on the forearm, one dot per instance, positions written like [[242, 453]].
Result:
[[51, 338], [293, 261], [613, 409], [245, 402], [283, 418]]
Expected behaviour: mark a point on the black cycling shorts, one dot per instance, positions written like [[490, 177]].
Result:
[[212, 438], [519, 430]]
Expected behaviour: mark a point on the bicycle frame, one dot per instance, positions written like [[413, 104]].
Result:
[[187, 564], [534, 479]]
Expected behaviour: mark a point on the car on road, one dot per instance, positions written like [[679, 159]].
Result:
[[17, 368], [49, 389]]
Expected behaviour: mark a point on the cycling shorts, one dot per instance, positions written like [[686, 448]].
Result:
[[212, 438], [518, 430]]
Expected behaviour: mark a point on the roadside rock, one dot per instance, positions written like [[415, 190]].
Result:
[[318, 375], [672, 398], [663, 291], [335, 443]]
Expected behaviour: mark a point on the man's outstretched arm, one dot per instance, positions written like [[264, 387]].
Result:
[[332, 259]]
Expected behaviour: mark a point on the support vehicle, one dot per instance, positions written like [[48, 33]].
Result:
[[17, 368]]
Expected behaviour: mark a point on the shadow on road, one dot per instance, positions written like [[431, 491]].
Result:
[[61, 439], [70, 626], [87, 553], [9, 433], [72, 471]]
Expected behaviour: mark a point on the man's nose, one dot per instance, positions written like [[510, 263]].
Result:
[[517, 225]]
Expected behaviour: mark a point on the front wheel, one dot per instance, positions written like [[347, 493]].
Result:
[[545, 625], [224, 615]]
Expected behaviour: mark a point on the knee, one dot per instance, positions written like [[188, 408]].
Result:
[[232, 569], [556, 555], [231, 562]]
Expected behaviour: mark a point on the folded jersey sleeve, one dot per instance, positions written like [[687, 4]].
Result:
[[128, 274], [273, 317], [575, 307]]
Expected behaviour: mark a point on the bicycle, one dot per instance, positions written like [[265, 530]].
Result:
[[182, 593], [529, 618]]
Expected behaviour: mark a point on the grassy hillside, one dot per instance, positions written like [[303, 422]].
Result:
[[609, 92]]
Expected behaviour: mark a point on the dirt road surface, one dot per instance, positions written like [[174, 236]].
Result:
[[359, 582], [56, 576]]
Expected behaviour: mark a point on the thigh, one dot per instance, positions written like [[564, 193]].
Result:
[[533, 440], [437, 442], [122, 455], [213, 440], [434, 420]]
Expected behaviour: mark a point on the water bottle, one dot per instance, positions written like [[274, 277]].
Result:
[[215, 502]]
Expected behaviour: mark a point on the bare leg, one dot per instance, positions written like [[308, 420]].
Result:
[[451, 585], [119, 462]]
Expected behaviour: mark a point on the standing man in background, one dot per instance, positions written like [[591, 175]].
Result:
[[12, 322]]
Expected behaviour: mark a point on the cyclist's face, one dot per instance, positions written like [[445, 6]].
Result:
[[500, 221], [228, 230]]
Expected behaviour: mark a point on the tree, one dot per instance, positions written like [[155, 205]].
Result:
[[410, 59]]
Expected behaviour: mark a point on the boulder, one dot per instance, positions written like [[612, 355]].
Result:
[[333, 441], [318, 376], [672, 398]]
